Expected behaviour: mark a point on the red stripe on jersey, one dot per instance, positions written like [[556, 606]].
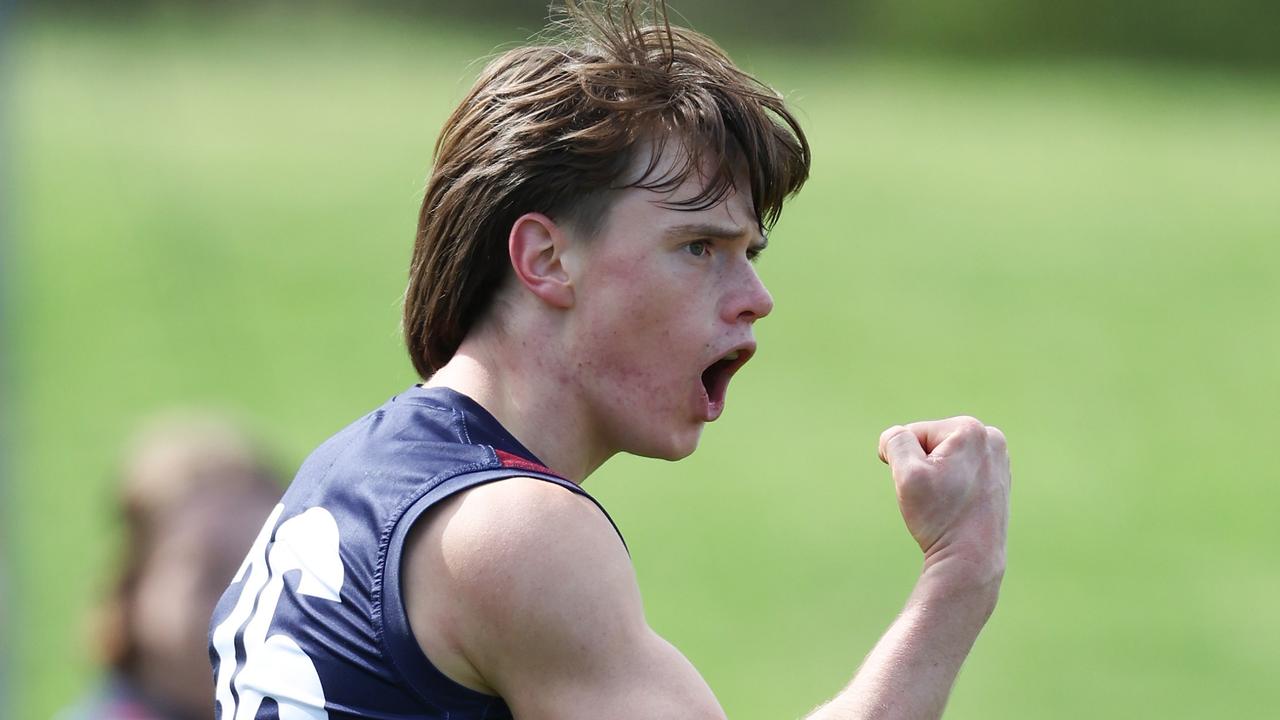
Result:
[[515, 461]]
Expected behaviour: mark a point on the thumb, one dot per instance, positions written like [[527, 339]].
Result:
[[898, 445]]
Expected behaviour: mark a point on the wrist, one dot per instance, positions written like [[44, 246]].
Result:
[[956, 582]]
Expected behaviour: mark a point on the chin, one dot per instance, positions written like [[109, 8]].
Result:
[[676, 446]]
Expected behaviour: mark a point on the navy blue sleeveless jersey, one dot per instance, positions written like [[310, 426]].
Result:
[[313, 625]]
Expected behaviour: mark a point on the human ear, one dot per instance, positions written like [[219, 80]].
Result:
[[537, 248]]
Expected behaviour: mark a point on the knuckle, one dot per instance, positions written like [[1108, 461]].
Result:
[[888, 438], [890, 433], [996, 438], [969, 427]]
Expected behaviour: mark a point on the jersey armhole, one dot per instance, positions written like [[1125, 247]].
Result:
[[392, 621]]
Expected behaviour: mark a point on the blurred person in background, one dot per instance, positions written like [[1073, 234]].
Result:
[[194, 491]]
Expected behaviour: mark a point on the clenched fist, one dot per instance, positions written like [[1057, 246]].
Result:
[[952, 479]]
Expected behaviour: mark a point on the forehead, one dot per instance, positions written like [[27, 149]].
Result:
[[664, 190]]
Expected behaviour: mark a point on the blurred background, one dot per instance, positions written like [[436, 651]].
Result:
[[1061, 218]]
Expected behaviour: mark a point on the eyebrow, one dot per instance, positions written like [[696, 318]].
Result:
[[724, 232]]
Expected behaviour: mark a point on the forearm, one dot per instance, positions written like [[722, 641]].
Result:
[[909, 673]]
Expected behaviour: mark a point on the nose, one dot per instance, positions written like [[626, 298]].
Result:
[[753, 300]]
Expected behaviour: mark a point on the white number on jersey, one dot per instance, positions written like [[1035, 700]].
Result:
[[276, 667]]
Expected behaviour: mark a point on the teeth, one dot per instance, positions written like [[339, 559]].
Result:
[[732, 356]]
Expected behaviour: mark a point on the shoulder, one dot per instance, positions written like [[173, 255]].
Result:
[[514, 569], [506, 542], [498, 520], [525, 587]]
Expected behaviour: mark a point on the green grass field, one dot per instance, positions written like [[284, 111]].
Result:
[[1084, 254]]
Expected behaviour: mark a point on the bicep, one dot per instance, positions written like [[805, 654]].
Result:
[[554, 621]]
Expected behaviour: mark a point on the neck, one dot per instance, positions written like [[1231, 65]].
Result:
[[532, 397]]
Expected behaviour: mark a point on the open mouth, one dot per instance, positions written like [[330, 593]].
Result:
[[715, 379]]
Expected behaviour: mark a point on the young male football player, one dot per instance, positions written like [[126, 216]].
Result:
[[581, 286]]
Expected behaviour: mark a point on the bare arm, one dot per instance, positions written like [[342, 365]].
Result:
[[910, 671], [952, 479], [522, 589]]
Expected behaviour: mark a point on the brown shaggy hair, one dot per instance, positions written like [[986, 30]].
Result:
[[553, 128]]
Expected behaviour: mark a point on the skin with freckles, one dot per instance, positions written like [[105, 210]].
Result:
[[616, 330], [661, 300]]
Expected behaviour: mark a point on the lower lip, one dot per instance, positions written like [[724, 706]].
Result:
[[708, 410]]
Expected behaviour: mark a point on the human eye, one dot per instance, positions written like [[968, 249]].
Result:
[[698, 248]]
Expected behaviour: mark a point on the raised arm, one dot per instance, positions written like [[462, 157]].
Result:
[[522, 589], [952, 479]]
